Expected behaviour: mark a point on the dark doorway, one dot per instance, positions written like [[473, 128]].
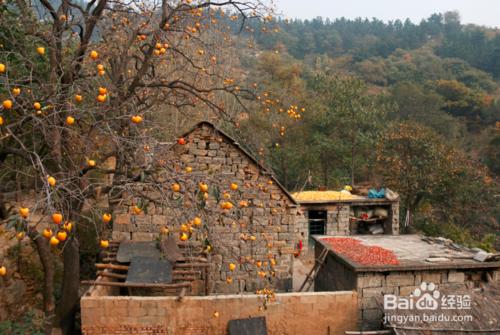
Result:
[[317, 224]]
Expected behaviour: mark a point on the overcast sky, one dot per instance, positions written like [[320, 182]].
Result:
[[482, 12]]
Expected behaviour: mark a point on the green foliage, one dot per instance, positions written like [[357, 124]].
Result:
[[492, 155], [347, 125], [447, 194], [415, 133], [459, 99], [415, 161], [418, 103], [29, 266], [29, 324], [457, 234], [365, 39]]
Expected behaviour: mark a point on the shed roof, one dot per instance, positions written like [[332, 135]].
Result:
[[311, 198], [314, 196], [413, 253]]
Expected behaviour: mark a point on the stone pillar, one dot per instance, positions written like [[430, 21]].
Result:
[[394, 219], [338, 220]]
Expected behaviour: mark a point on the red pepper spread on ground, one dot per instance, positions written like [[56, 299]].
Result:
[[360, 253]]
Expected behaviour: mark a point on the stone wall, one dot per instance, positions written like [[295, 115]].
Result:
[[290, 313], [258, 233], [338, 219], [392, 226], [371, 286], [335, 275]]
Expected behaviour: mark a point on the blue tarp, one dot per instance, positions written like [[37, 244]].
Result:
[[374, 194]]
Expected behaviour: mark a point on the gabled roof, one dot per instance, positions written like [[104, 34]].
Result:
[[245, 152]]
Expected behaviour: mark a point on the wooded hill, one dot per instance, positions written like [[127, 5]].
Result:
[[412, 106]]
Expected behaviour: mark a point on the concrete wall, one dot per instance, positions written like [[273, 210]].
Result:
[[291, 313]]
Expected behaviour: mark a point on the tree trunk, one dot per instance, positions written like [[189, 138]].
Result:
[[68, 305], [3, 209], [352, 165], [47, 260]]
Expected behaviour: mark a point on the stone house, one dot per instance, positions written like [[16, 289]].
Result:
[[251, 226]]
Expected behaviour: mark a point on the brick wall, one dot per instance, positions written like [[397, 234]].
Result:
[[249, 236], [291, 313]]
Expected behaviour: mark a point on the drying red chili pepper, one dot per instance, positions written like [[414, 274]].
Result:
[[360, 253]]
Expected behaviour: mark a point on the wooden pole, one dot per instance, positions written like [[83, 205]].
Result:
[[207, 285], [182, 294], [194, 259]]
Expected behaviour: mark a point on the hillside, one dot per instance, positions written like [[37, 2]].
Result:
[[378, 100]]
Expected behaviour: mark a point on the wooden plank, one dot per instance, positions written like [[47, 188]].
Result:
[[186, 272], [184, 278], [111, 275], [122, 276], [112, 266], [193, 259], [135, 285], [171, 250], [191, 265]]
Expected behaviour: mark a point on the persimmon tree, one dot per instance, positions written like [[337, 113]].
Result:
[[281, 110], [85, 83]]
